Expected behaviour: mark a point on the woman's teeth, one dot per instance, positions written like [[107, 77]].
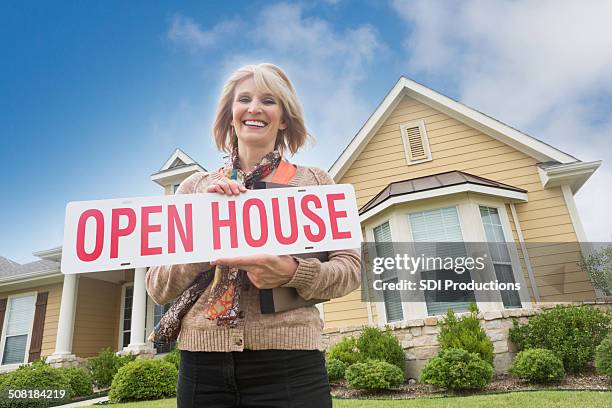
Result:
[[256, 123]]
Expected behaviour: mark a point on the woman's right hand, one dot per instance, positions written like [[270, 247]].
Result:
[[223, 185]]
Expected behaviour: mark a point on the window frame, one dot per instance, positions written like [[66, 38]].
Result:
[[472, 230], [122, 314], [515, 262], [456, 206], [34, 294], [381, 309]]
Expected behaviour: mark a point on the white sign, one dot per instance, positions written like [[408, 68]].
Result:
[[166, 230]]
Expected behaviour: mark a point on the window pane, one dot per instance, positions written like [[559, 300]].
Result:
[[126, 339], [439, 301], [437, 233], [393, 304], [21, 313], [14, 349], [127, 315], [384, 248], [511, 298], [500, 255]]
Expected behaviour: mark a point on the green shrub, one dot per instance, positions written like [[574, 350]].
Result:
[[335, 369], [105, 365], [571, 332], [144, 379], [465, 333], [537, 365], [603, 356], [174, 357], [374, 375], [377, 344], [37, 376], [80, 381], [346, 351], [456, 369]]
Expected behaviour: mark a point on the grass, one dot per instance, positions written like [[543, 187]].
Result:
[[531, 399]]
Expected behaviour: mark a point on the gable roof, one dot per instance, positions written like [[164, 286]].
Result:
[[531, 146], [176, 159], [450, 182], [178, 166]]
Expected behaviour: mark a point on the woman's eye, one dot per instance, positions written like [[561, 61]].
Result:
[[269, 101], [244, 99]]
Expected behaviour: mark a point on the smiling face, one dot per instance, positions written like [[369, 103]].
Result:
[[257, 117]]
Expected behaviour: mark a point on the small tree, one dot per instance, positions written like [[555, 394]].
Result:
[[465, 333], [598, 265]]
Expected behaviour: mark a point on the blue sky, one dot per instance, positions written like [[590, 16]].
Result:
[[96, 95]]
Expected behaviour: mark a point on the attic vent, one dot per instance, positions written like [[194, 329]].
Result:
[[416, 143]]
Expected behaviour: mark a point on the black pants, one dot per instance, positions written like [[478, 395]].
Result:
[[266, 378]]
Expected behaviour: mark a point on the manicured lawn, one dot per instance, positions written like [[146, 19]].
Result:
[[533, 399]]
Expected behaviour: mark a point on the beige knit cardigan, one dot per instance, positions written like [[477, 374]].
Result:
[[298, 329]]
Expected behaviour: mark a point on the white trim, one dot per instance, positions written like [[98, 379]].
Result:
[[321, 309], [443, 191], [530, 273], [406, 87], [34, 294], [572, 174], [177, 154], [175, 172], [424, 140], [30, 277], [53, 254], [573, 212]]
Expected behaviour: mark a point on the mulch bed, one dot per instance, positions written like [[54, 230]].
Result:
[[500, 383]]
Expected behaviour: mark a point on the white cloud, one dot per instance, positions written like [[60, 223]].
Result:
[[184, 31], [543, 67], [326, 66]]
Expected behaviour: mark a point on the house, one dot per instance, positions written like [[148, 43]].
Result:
[[425, 168], [428, 168], [44, 313]]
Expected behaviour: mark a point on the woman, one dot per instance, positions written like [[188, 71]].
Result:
[[231, 354]]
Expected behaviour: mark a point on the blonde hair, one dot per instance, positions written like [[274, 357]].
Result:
[[269, 79]]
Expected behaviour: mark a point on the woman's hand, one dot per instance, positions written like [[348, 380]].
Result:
[[223, 185], [264, 271]]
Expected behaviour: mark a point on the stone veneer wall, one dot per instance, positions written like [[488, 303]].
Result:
[[419, 339]]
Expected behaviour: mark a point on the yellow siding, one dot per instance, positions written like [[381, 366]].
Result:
[[96, 322], [456, 146], [51, 314]]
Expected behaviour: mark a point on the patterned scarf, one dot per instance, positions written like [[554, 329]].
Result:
[[223, 303]]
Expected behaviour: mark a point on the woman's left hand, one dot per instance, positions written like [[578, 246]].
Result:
[[264, 271]]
